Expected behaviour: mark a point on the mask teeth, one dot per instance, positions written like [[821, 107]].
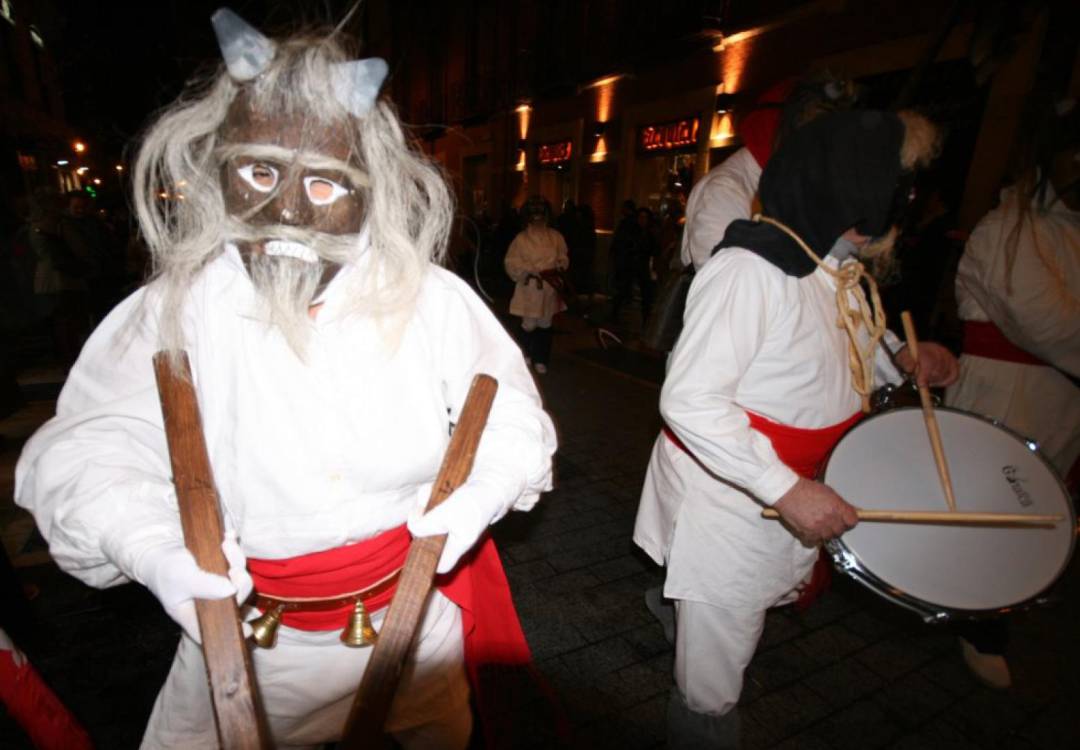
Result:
[[284, 248]]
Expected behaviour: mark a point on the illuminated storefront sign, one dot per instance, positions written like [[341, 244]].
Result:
[[669, 135], [550, 154]]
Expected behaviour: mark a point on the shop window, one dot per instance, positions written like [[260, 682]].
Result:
[[663, 181]]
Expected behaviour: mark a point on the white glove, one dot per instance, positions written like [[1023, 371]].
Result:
[[172, 575], [463, 517]]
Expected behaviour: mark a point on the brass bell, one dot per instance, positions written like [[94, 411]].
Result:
[[264, 627], [359, 632]]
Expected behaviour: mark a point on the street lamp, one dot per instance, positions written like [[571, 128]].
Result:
[[79, 147]]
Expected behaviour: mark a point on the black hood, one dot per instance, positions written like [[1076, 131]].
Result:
[[839, 171]]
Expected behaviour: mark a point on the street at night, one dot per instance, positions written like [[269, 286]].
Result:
[[586, 374]]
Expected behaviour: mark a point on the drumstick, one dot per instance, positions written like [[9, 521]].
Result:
[[948, 517], [928, 415]]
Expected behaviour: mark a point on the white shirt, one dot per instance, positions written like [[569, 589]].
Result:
[[725, 194], [757, 339], [1042, 314], [306, 456], [754, 339], [535, 249]]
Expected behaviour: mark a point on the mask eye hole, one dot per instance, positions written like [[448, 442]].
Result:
[[322, 191], [260, 176]]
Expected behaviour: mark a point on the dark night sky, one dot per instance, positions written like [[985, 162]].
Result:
[[120, 62]]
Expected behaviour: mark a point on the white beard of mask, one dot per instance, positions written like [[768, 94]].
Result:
[[289, 274]]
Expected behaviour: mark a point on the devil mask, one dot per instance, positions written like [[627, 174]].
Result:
[[286, 155]]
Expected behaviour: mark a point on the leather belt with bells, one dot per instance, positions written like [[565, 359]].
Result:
[[358, 632]]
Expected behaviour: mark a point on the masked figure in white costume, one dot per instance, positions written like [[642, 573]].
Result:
[[534, 260], [759, 387], [1018, 293], [295, 247]]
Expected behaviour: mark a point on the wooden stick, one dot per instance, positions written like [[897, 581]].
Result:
[[929, 417], [945, 517], [237, 711], [378, 686]]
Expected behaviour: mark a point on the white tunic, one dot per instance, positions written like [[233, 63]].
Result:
[[725, 194], [754, 339], [306, 456], [1041, 316], [534, 250]]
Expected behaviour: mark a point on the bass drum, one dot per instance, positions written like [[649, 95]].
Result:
[[949, 572]]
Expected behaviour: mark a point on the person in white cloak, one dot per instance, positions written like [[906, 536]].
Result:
[[1018, 294], [536, 253], [331, 357], [758, 388]]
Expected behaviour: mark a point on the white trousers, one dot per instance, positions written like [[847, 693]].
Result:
[[307, 682], [713, 646]]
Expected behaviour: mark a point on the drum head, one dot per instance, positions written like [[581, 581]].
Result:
[[886, 463]]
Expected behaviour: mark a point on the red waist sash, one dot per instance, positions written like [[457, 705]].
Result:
[[492, 632], [984, 339], [802, 450], [330, 573]]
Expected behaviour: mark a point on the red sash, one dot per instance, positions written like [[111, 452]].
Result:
[[478, 586], [330, 573], [36, 708], [984, 339], [802, 450]]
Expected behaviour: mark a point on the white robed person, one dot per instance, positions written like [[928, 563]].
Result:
[[762, 382], [1018, 295], [331, 357], [534, 260]]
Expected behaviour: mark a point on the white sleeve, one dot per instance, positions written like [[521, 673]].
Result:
[[519, 439], [517, 263], [729, 309], [885, 370], [97, 477], [1042, 313]]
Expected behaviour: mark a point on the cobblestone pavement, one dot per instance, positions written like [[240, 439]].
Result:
[[852, 672]]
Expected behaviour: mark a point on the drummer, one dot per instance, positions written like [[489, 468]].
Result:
[[761, 384]]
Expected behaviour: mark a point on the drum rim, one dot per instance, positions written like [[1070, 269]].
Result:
[[848, 562]]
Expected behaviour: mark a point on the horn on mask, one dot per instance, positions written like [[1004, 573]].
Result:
[[245, 49], [356, 84]]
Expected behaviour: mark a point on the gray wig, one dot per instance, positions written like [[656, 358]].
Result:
[[409, 207]]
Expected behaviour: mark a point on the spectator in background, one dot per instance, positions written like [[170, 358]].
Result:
[[88, 240], [535, 253], [60, 278], [634, 250], [567, 224], [585, 250]]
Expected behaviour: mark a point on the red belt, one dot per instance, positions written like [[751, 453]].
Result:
[[325, 579], [801, 449], [490, 627], [984, 339]]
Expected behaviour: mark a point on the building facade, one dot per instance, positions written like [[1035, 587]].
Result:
[[598, 101]]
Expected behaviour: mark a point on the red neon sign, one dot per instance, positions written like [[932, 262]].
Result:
[[669, 135], [555, 153]]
